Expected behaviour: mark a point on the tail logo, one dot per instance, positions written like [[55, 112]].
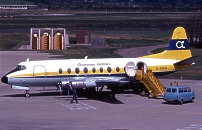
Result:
[[180, 44]]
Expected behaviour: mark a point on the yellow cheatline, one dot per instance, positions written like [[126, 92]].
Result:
[[55, 73], [179, 33]]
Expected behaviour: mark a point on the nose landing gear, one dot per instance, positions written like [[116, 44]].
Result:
[[26, 93]]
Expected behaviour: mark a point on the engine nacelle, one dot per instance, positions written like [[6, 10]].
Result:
[[65, 83], [79, 84]]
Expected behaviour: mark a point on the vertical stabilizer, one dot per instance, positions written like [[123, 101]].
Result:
[[178, 48]]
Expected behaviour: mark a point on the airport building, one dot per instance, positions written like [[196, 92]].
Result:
[[83, 36], [17, 7], [48, 39]]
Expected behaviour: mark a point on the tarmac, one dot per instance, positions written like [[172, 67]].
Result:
[[46, 109]]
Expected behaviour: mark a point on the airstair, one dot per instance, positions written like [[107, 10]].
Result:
[[153, 85]]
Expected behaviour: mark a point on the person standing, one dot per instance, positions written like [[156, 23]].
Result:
[[74, 96]]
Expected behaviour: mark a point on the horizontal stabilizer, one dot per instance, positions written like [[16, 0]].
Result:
[[187, 61]]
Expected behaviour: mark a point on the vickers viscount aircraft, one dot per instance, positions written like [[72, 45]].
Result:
[[91, 73]]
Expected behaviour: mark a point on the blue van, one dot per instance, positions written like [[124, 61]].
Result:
[[179, 94]]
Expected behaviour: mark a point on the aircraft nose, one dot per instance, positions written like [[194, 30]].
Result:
[[4, 79]]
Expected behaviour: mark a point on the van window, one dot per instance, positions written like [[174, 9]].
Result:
[[168, 90], [185, 89], [180, 90], [174, 90], [189, 90]]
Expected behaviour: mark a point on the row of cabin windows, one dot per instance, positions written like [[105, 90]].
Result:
[[85, 70]]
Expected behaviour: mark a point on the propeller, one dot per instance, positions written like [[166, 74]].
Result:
[[69, 87], [68, 84], [59, 86]]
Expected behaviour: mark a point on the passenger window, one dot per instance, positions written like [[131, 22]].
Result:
[[189, 90], [168, 90], [77, 70], [101, 69], [174, 90], [117, 69], [60, 71], [93, 69], [68, 70], [85, 70], [109, 69]]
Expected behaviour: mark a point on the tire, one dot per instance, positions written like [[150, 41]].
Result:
[[150, 96], [27, 95], [192, 100], [181, 101]]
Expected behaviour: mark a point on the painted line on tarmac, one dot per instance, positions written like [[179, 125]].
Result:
[[88, 106], [192, 127], [78, 106]]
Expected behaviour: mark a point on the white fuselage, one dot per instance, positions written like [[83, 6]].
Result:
[[50, 72]]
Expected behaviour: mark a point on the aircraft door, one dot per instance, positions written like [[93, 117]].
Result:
[[142, 66], [130, 69], [39, 72]]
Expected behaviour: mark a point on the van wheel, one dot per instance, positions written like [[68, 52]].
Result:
[[150, 96], [181, 101], [192, 100]]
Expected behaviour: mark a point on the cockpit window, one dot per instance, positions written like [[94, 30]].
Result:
[[20, 67]]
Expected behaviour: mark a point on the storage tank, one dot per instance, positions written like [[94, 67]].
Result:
[[35, 42], [45, 41], [58, 41]]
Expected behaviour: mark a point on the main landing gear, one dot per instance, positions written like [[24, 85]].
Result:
[[113, 98], [26, 93]]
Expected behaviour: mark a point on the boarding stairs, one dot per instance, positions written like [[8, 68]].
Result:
[[153, 85]]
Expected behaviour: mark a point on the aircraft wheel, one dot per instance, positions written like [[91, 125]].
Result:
[[27, 94]]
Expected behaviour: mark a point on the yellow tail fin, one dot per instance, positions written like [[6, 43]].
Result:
[[178, 48]]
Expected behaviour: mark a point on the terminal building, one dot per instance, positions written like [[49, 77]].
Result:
[[48, 39], [17, 7]]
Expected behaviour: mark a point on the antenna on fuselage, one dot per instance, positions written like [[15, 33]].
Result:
[[86, 57], [27, 60]]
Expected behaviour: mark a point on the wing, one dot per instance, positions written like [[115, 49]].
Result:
[[100, 82]]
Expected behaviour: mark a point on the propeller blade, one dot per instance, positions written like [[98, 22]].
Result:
[[60, 89]]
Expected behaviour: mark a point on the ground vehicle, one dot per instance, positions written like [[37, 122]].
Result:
[[179, 94]]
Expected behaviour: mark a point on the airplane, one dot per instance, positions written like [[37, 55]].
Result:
[[91, 73]]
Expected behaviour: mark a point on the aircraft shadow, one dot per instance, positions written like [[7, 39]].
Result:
[[41, 94], [103, 96], [174, 103], [98, 96]]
